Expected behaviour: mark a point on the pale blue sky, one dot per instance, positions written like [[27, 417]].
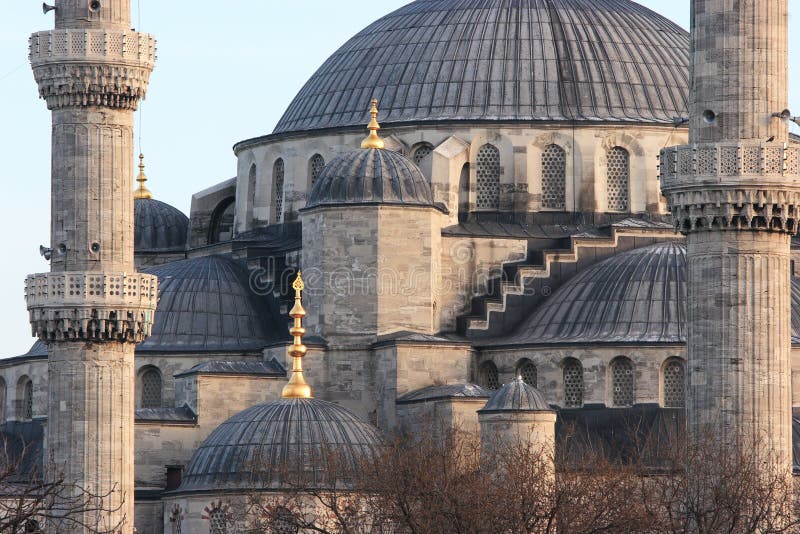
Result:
[[223, 75]]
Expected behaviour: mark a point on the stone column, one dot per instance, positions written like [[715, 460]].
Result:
[[734, 191], [92, 308]]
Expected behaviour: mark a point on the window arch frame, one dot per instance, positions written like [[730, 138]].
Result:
[[670, 361], [626, 165], [527, 364], [25, 398], [548, 176], [278, 189], [283, 522], [488, 375], [618, 381], [251, 193], [145, 372], [315, 169], [216, 219], [425, 162], [568, 364], [487, 178]]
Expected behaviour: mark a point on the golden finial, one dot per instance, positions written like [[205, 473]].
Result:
[[297, 388], [142, 191], [372, 140]]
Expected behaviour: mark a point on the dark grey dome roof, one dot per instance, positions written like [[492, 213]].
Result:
[[249, 450], [370, 176], [515, 60], [206, 305], [516, 396], [158, 227], [638, 296], [449, 391]]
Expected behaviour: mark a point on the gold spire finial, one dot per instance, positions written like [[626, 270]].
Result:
[[372, 140], [297, 388], [142, 191]]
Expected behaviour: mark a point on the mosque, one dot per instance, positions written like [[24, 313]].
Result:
[[502, 218]]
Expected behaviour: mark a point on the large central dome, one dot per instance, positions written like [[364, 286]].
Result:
[[509, 60]]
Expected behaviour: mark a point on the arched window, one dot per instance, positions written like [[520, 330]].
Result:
[[278, 174], [488, 178], [554, 178], [622, 383], [283, 522], [488, 376], [573, 383], [463, 194], [674, 383], [217, 521], [423, 157], [2, 400], [176, 518], [617, 178], [315, 166], [151, 388], [221, 228], [25, 398], [527, 370], [251, 193]]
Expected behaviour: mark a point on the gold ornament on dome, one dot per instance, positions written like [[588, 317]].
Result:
[[142, 191], [297, 388], [373, 140]]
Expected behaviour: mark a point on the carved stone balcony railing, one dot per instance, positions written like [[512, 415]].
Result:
[[116, 46], [91, 306]]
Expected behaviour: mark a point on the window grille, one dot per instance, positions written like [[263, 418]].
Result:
[[278, 173], [317, 164], [554, 178], [151, 389], [622, 382], [218, 522], [27, 401], [618, 178], [528, 373], [488, 178], [488, 376], [674, 384], [283, 523], [573, 384]]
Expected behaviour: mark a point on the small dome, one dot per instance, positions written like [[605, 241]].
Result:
[[517, 396], [371, 176], [158, 227], [495, 60], [265, 438], [206, 304], [450, 391]]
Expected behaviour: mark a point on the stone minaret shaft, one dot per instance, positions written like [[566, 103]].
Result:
[[92, 308], [734, 193]]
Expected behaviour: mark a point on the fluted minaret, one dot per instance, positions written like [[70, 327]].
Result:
[[734, 191], [92, 308]]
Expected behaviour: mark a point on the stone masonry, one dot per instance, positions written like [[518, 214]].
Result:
[[735, 192], [92, 308]]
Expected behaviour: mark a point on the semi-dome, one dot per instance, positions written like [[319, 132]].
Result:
[[254, 448], [516, 396], [370, 176], [158, 227], [521, 60], [206, 304]]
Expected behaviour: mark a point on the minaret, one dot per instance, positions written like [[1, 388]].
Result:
[[734, 191], [92, 307]]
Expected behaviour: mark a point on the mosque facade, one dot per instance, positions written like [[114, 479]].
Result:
[[501, 224]]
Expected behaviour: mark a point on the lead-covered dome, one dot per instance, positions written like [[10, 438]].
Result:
[[512, 60], [207, 304], [371, 176], [158, 227], [252, 449], [516, 396]]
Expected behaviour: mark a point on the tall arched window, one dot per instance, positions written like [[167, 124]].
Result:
[[283, 522], [315, 166], [423, 157], [622, 382], [674, 383], [251, 193], [463, 194], [151, 388], [218, 521], [25, 398], [488, 178], [278, 174], [573, 383], [527, 370], [3, 394], [554, 178], [618, 178], [488, 376]]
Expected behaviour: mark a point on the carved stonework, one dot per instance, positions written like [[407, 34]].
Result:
[[91, 306], [108, 68]]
